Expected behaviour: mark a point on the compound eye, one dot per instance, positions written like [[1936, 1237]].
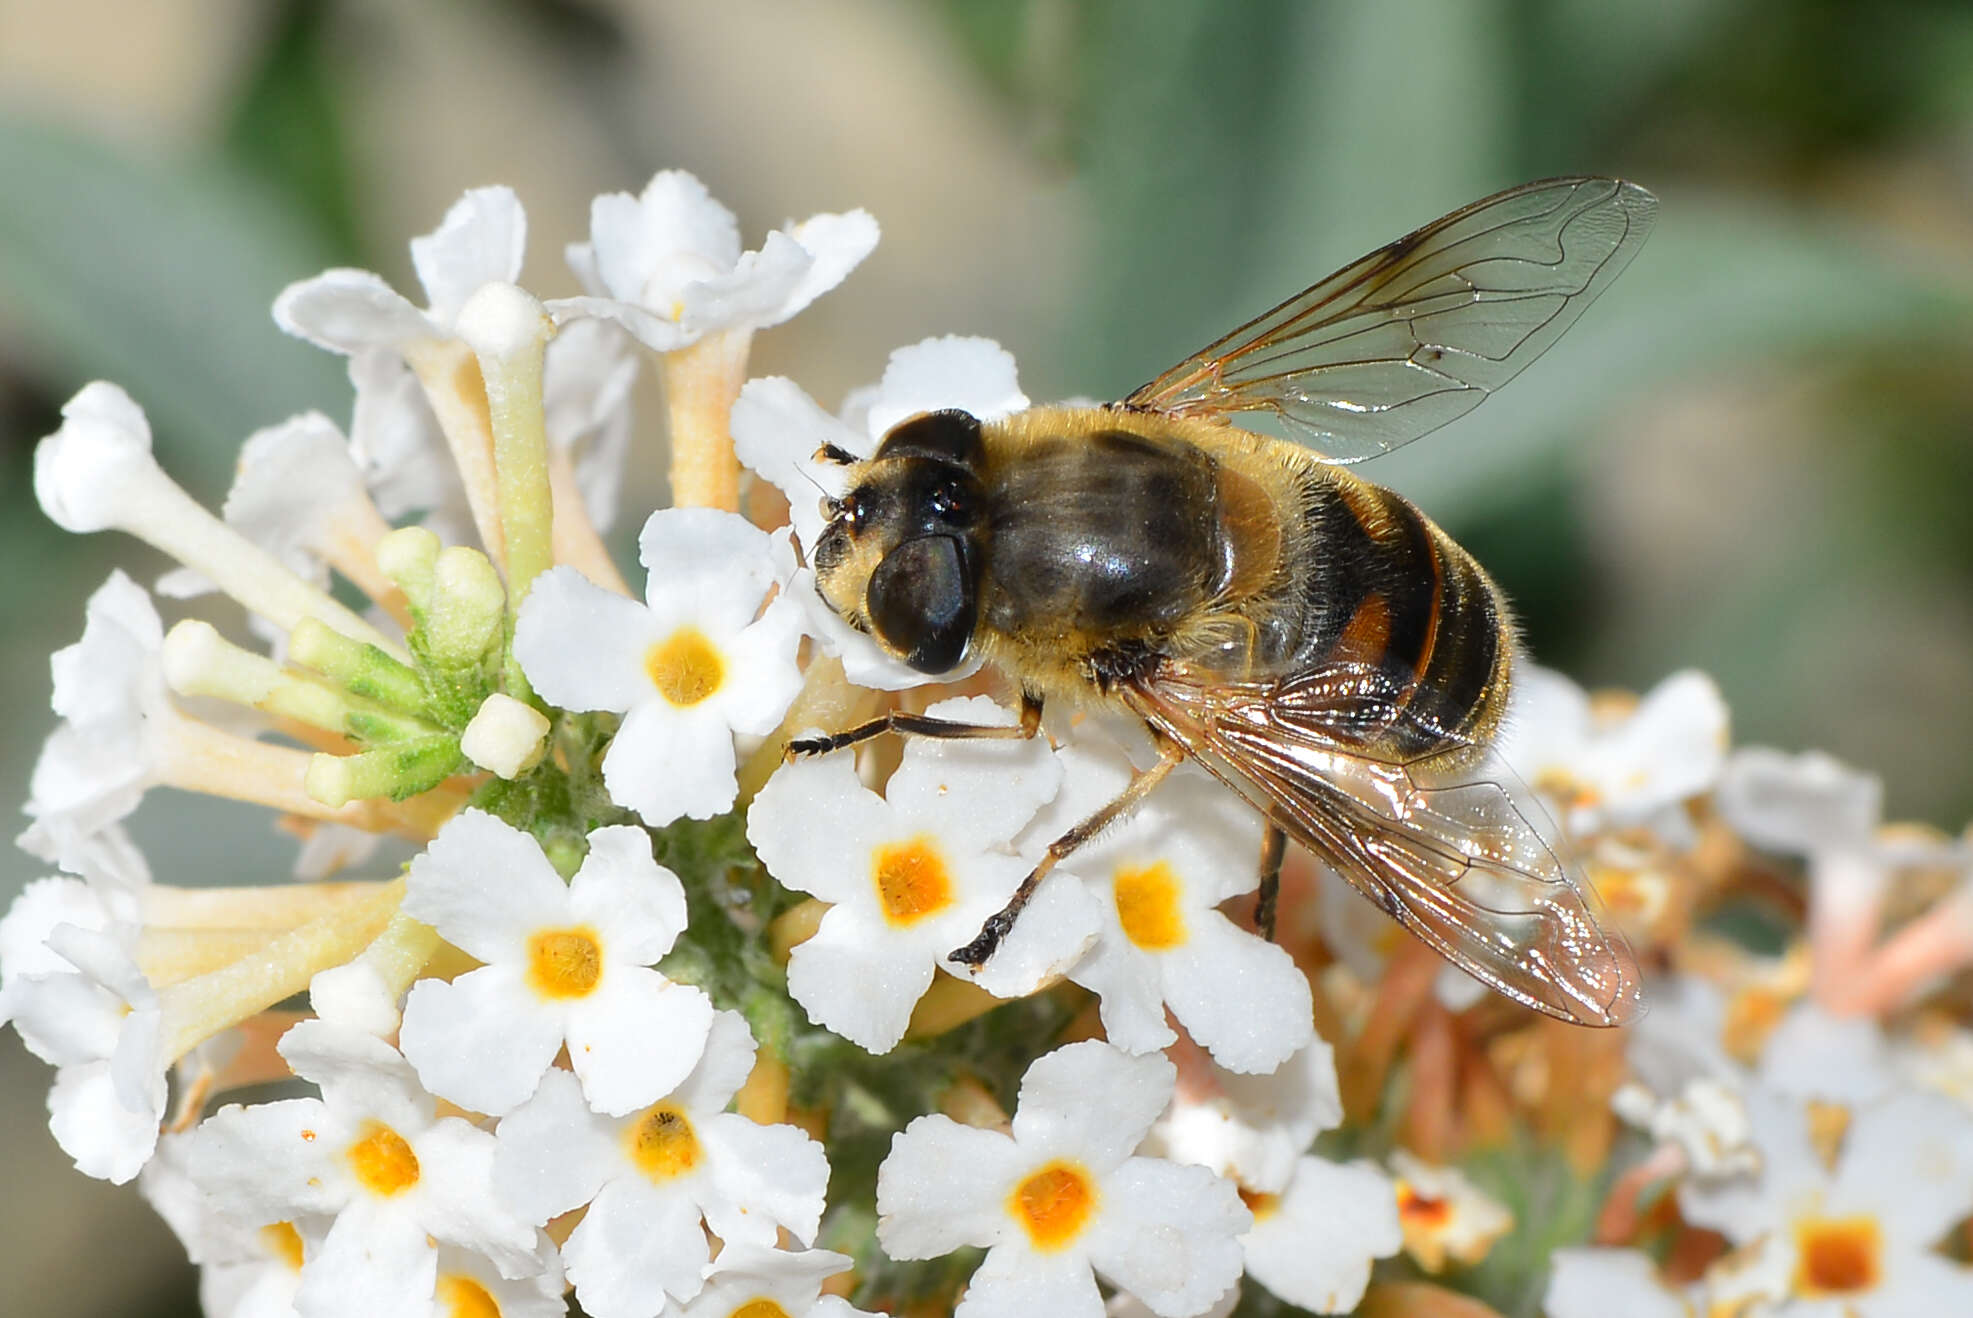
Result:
[[921, 603], [949, 436], [852, 510]]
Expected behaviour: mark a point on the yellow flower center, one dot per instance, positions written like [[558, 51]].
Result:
[[1837, 1255], [283, 1242], [912, 880], [760, 1307], [564, 963], [462, 1297], [662, 1143], [685, 667], [1261, 1204], [384, 1164], [1147, 907], [1054, 1204]]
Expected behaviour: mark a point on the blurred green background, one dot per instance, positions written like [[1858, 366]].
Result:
[[1751, 456]]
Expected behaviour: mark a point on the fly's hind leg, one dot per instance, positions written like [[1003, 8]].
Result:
[[918, 725], [1273, 844], [998, 925]]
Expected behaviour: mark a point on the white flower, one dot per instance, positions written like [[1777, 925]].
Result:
[[748, 1282], [373, 1154], [1061, 1194], [480, 241], [1445, 1217], [1606, 770], [109, 690], [565, 964], [1858, 1235], [1318, 1226], [100, 1026], [649, 1179], [1158, 879], [667, 265], [696, 663], [45, 904], [1252, 1128], [914, 874], [1624, 1283], [395, 438], [1313, 1243], [778, 430], [1706, 1119], [244, 1271]]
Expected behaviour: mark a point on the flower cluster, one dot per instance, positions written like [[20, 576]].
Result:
[[662, 1017]]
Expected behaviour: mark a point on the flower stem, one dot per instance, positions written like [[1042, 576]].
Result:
[[450, 374], [702, 381]]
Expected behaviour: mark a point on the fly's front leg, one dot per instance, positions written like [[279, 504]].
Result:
[[1273, 844], [998, 925], [918, 725]]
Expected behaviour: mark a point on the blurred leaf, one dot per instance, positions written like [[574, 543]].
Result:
[[287, 125], [157, 275]]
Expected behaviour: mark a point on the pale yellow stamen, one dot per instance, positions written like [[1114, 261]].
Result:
[[462, 1297]]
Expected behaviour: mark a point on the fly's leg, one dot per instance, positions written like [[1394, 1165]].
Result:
[[918, 725], [1273, 844], [975, 953]]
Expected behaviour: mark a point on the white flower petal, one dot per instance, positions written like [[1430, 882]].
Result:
[[371, 1261], [619, 886], [942, 1188], [581, 646], [937, 779], [666, 764], [723, 1067], [1130, 989], [456, 1202], [714, 563], [636, 1038], [266, 1163], [846, 982], [1909, 1162], [482, 1040], [481, 241], [82, 470], [1315, 1248], [1169, 1235], [106, 1138], [974, 375], [633, 1245], [1608, 1283], [777, 429], [831, 863], [553, 1153], [485, 886], [1017, 1282], [753, 294], [768, 1177], [351, 311], [1056, 1112], [836, 245], [1241, 996], [1800, 805]]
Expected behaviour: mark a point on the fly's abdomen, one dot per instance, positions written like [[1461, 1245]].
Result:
[[1392, 593]]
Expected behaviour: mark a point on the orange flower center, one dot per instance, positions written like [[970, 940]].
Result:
[[662, 1143], [1837, 1255], [1147, 907], [685, 667], [565, 963], [1261, 1204], [384, 1164], [912, 881], [761, 1307], [462, 1297], [1422, 1211], [283, 1242], [1054, 1204]]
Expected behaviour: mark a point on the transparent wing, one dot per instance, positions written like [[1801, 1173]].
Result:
[[1418, 333], [1446, 843]]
